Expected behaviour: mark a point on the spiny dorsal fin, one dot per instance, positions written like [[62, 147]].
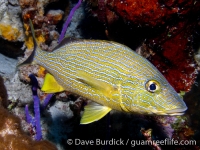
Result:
[[93, 112]]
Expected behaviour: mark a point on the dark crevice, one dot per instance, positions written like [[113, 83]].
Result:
[[61, 5], [11, 49]]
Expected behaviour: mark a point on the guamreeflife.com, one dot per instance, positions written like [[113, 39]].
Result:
[[167, 141], [132, 143]]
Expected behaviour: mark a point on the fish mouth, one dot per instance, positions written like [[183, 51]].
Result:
[[177, 111]]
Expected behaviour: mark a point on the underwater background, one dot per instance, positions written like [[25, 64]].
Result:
[[167, 33]]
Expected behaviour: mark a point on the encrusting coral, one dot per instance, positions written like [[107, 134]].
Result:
[[11, 27], [44, 23], [12, 137]]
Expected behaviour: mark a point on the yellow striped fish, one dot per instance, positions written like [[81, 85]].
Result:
[[110, 74]]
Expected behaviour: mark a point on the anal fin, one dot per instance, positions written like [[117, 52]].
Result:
[[93, 112]]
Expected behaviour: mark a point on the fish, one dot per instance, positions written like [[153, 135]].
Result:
[[111, 75]]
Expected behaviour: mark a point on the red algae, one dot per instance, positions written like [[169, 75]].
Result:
[[149, 12], [174, 57]]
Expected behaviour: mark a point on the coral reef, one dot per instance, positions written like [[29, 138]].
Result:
[[11, 134], [12, 137], [35, 121], [147, 134], [192, 100], [163, 27], [174, 55], [76, 23], [52, 117], [69, 20], [11, 27], [152, 12], [18, 92], [44, 23]]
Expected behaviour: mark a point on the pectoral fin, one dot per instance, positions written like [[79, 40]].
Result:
[[93, 112], [50, 85], [87, 79]]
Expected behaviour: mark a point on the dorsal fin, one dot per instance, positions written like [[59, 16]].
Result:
[[65, 41]]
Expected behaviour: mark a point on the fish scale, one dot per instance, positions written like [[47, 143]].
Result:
[[114, 65]]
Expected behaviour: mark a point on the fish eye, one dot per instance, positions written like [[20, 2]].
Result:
[[152, 86]]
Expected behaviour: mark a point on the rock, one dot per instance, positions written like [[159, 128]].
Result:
[[18, 91], [8, 65], [11, 27]]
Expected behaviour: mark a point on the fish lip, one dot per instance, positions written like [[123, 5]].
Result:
[[177, 111]]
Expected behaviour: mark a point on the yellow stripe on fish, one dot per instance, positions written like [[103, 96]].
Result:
[[110, 74]]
